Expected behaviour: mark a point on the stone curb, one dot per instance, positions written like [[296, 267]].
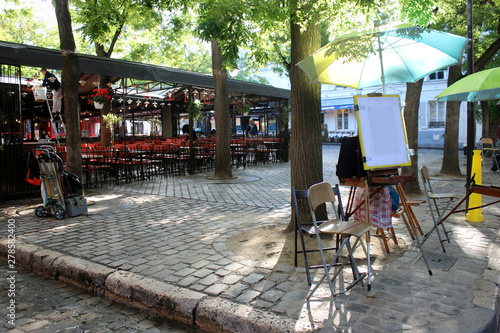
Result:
[[210, 313], [149, 294], [181, 304], [219, 315]]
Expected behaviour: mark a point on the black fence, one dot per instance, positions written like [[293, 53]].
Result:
[[13, 166]]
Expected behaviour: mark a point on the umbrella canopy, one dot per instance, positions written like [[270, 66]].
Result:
[[479, 86], [389, 54]]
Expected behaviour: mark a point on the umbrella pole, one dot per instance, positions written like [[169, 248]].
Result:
[[471, 121], [381, 65]]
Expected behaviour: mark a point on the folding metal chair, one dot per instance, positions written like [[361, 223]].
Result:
[[318, 195], [487, 146], [307, 228], [436, 214]]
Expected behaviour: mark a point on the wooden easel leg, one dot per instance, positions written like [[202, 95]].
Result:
[[393, 235], [384, 239]]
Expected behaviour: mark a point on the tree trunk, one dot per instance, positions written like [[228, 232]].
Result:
[[69, 82], [106, 132], [222, 116], [412, 103], [450, 164], [485, 112], [306, 148]]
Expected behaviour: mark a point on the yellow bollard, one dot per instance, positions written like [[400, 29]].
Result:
[[475, 199]]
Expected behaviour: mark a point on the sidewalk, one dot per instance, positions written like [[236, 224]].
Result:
[[214, 254]]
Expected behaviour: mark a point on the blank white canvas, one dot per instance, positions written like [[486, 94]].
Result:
[[382, 133]]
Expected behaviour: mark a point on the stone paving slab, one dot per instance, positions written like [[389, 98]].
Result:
[[181, 235], [44, 305]]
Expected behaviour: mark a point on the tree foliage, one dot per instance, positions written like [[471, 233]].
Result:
[[102, 22], [19, 24], [228, 23], [451, 16], [172, 44]]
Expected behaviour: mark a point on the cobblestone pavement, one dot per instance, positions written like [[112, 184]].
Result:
[[45, 305], [183, 231]]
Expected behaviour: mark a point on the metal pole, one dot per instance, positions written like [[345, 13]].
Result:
[[471, 121], [191, 133], [382, 78], [20, 101], [124, 107]]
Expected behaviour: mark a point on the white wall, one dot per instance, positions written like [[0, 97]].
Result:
[[430, 89]]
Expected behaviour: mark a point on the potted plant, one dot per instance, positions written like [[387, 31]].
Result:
[[99, 97], [243, 107], [110, 120], [194, 109], [154, 122]]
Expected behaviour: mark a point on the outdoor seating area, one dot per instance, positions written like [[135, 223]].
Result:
[[146, 159], [268, 275], [149, 120]]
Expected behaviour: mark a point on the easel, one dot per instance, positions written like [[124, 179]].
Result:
[[383, 153], [492, 191], [377, 179]]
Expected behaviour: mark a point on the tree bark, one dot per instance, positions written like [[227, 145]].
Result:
[[306, 148], [412, 102], [485, 111], [69, 83], [450, 164], [222, 116]]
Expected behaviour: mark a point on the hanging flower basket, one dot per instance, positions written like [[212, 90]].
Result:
[[98, 105], [194, 109], [100, 97], [243, 108]]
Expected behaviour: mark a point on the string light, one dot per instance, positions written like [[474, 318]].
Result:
[[129, 101], [120, 100], [82, 82], [155, 104]]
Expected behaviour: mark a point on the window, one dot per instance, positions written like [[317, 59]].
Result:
[[439, 75], [436, 114], [342, 120]]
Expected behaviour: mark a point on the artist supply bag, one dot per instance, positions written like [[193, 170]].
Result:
[[380, 207], [350, 163]]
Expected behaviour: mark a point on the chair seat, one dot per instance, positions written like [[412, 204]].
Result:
[[433, 195], [335, 226]]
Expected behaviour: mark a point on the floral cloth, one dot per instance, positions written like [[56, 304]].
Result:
[[380, 207]]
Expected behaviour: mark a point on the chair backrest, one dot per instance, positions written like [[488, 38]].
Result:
[[336, 191], [319, 194], [298, 194], [303, 194], [426, 177], [487, 141]]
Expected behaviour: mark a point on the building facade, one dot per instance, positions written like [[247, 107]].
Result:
[[339, 119]]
